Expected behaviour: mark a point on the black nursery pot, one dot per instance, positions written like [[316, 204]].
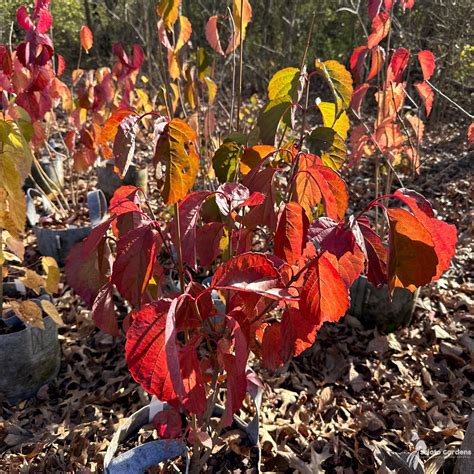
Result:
[[149, 454], [373, 307], [29, 357], [57, 243], [108, 181]]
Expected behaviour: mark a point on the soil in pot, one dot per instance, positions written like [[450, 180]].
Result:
[[57, 235], [373, 307]]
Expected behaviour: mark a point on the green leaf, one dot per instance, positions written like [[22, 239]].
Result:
[[285, 83], [339, 80], [225, 161], [271, 116], [327, 144]]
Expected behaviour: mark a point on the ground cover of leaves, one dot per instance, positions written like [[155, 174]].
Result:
[[358, 393]]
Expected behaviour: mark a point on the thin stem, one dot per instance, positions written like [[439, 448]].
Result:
[[240, 64], [179, 248], [451, 101], [231, 125]]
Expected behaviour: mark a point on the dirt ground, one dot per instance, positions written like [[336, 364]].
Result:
[[356, 398]]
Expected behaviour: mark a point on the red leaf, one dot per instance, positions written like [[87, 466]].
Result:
[[298, 333], [103, 311], [271, 346], [124, 144], [61, 67], [324, 296], [357, 62], [380, 29], [255, 199], [23, 19], [229, 196], [407, 4], [470, 133], [87, 273], [183, 363], [340, 241], [290, 236], [427, 95], [235, 365], [45, 21], [83, 159], [194, 396], [373, 7], [261, 180], [427, 63], [86, 37], [376, 253], [251, 272], [168, 423], [358, 96], [133, 266], [146, 352], [109, 130], [208, 237], [189, 209], [397, 66], [212, 35]]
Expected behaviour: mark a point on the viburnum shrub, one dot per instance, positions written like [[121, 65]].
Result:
[[29, 76], [394, 134], [255, 261]]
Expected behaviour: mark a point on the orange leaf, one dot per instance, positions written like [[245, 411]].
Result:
[[86, 37], [427, 95], [212, 35], [175, 148], [377, 61], [427, 63], [443, 235], [168, 10], [412, 256], [380, 29], [253, 156], [324, 296]]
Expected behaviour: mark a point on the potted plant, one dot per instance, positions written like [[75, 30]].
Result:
[[183, 348], [29, 345], [29, 348]]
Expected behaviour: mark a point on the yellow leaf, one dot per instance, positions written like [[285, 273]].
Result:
[[32, 280], [176, 150], [211, 89], [185, 31], [339, 80], [169, 11], [29, 312], [52, 312], [285, 83], [50, 267], [329, 146], [241, 20], [339, 124]]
